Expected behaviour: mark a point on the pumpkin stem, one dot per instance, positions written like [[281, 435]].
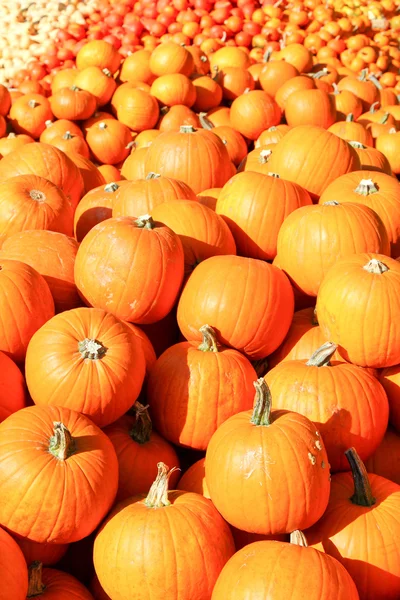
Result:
[[314, 319], [152, 175], [363, 75], [376, 267], [48, 123], [141, 431], [331, 203], [275, 175], [37, 195], [366, 187], [92, 349], [145, 222], [262, 404], [158, 494], [267, 55], [260, 366], [187, 129], [322, 356], [102, 125], [67, 135], [11, 135], [75, 88], [264, 157], [209, 343], [35, 585], [272, 128], [298, 538], [384, 119], [164, 110], [350, 118], [392, 130], [111, 187], [375, 81], [362, 488], [373, 107], [205, 122], [107, 72], [335, 89], [62, 444], [33, 103], [358, 145], [320, 73]]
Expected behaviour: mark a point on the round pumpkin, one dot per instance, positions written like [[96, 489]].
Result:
[[274, 74], [98, 53], [352, 131], [47, 554], [371, 159], [52, 584], [109, 141], [13, 569], [70, 143], [169, 58], [172, 90], [99, 82], [29, 114], [73, 104], [253, 112], [13, 142], [56, 128], [310, 107], [137, 109]]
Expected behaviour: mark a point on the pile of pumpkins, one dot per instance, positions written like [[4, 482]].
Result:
[[200, 329]]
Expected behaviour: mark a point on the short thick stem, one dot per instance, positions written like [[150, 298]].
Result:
[[362, 488], [111, 187], [357, 145], [145, 222], [152, 175], [350, 118], [35, 584], [366, 187], [298, 538], [158, 494], [262, 404], [209, 343], [275, 175], [141, 431], [67, 135], [187, 129], [331, 203], [264, 157], [376, 267], [91, 349], [322, 356], [62, 444], [33, 103]]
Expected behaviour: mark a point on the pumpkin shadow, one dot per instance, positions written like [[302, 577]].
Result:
[[196, 251], [65, 294], [90, 218]]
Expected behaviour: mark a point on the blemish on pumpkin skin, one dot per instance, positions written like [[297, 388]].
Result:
[[318, 445], [312, 458], [323, 465]]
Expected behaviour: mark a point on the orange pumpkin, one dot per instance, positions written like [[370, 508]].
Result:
[[53, 584], [94, 208], [13, 142], [170, 58], [99, 82], [274, 74], [253, 112], [310, 107], [56, 128], [29, 114], [98, 53], [73, 104], [13, 569], [174, 89], [109, 141], [138, 110]]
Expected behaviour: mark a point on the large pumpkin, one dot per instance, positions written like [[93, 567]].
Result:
[[193, 388], [53, 584], [48, 162], [360, 528], [180, 530], [313, 157], [58, 474], [255, 206], [310, 107], [358, 309], [325, 233], [347, 404], [248, 302], [13, 569], [139, 449], [254, 489], [53, 256], [97, 364], [135, 249], [281, 570]]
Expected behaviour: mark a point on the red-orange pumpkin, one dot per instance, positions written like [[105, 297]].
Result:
[[53, 584], [13, 569]]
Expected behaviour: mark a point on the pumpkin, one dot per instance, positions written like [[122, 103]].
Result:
[[252, 289], [376, 190], [145, 138], [171, 58], [347, 404], [229, 57], [310, 107], [194, 479], [352, 131], [91, 175], [99, 82], [208, 94], [33, 202], [34, 443], [253, 112], [69, 142], [274, 74], [202, 232], [272, 135], [139, 449], [234, 142], [326, 233], [199, 545], [248, 204], [26, 300], [236, 467], [5, 100], [98, 364], [201, 62], [389, 144], [365, 508], [371, 159], [173, 117], [136, 247], [179, 154], [359, 322], [360, 87], [62, 79], [294, 572], [346, 103], [52, 584], [143, 195], [385, 461], [220, 116], [13, 396], [98, 53], [134, 167], [73, 104], [174, 89], [209, 197], [147, 347], [48, 554], [110, 173], [257, 160], [136, 67], [138, 110], [375, 115], [390, 379], [29, 114], [193, 388], [295, 84], [96, 206], [13, 569], [109, 141], [99, 115], [298, 56], [13, 142], [313, 157]]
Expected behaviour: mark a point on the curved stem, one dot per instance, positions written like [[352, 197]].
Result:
[[298, 538], [376, 267], [209, 343], [373, 107], [384, 119], [158, 494], [362, 488], [62, 444], [322, 356], [205, 122], [91, 349], [141, 431], [35, 585], [262, 404], [350, 118], [145, 222]]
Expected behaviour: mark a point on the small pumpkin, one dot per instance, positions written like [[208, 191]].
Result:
[[310, 107], [99, 82], [13, 569], [109, 141], [73, 104], [29, 114], [98, 53], [371, 159], [13, 142], [53, 584], [171, 58], [96, 206], [253, 112], [138, 110]]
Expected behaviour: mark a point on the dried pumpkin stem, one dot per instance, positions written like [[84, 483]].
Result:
[[262, 404], [67, 135], [374, 107], [141, 431], [314, 319], [35, 586], [92, 349], [366, 187], [145, 222], [158, 494], [350, 118], [209, 343], [152, 175], [357, 145], [205, 121], [33, 103], [275, 175], [376, 267], [298, 538], [111, 187], [362, 488], [62, 444], [187, 129], [264, 157], [331, 203], [322, 356], [384, 119], [37, 195]]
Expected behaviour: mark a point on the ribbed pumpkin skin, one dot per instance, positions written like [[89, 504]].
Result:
[[363, 539], [310, 107], [259, 297], [47, 554], [62, 586], [53, 256], [133, 253], [13, 569], [46, 500], [137, 462], [178, 155], [188, 538], [271, 569], [25, 301], [203, 233], [103, 389], [289, 484], [48, 162], [360, 311], [313, 157], [352, 131], [385, 461], [385, 201], [255, 206], [326, 233], [141, 196], [373, 160], [191, 392], [348, 405], [12, 387]]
